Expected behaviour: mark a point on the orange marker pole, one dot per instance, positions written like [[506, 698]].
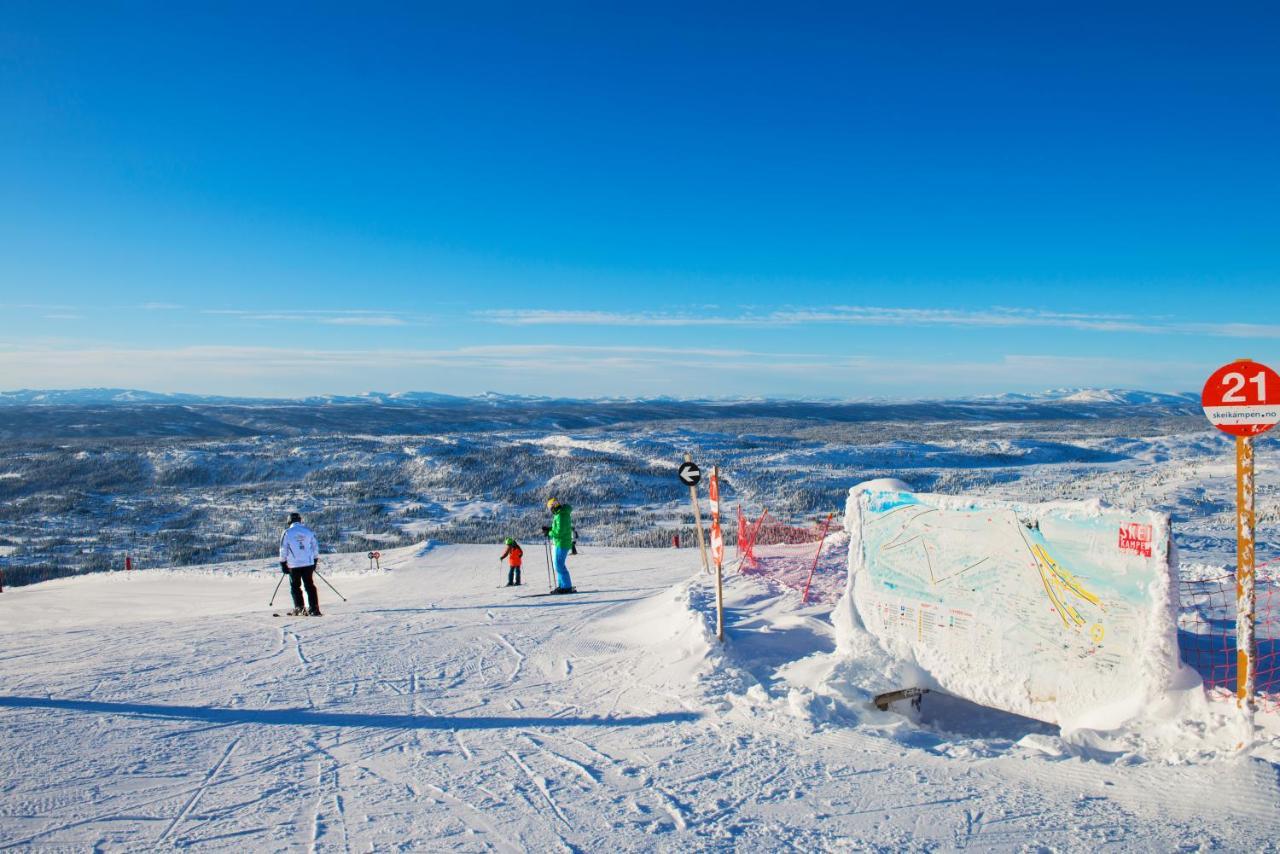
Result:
[[804, 600], [1246, 594]]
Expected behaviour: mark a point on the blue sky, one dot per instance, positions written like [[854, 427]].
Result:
[[738, 199]]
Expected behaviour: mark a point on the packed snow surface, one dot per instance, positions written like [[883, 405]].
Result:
[[434, 710]]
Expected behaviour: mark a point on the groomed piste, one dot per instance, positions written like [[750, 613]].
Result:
[[169, 708]]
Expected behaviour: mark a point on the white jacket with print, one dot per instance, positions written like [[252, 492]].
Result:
[[298, 546]]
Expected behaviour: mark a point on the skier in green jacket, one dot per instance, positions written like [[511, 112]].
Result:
[[561, 534]]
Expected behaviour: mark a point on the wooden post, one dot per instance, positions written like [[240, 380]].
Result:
[[719, 604], [718, 551], [697, 519], [1246, 594]]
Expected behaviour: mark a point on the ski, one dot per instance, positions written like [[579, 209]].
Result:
[[549, 593]]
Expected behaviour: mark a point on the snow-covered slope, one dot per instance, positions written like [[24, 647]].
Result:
[[434, 710]]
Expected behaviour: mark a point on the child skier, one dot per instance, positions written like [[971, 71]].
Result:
[[514, 555]]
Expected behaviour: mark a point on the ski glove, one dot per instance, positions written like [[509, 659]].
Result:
[[284, 567], [546, 530]]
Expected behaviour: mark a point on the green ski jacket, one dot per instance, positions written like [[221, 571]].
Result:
[[562, 527]]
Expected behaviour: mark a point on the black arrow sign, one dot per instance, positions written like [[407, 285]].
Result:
[[690, 474]]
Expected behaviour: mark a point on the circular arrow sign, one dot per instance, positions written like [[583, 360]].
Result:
[[375, 555], [1242, 398], [690, 474]]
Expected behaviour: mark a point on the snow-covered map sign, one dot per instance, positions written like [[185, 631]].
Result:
[[1064, 612]]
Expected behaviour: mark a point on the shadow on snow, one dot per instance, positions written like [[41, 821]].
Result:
[[544, 600], [304, 717]]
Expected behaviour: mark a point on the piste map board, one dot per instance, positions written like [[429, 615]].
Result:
[[1051, 611]]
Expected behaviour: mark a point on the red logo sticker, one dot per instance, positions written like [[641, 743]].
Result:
[[1136, 538]]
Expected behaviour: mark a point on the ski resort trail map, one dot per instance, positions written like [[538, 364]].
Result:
[[168, 709], [1054, 601]]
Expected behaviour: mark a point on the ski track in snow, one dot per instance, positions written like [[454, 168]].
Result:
[[519, 656], [486, 722], [200, 790]]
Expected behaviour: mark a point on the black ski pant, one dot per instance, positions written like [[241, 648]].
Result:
[[513, 576], [300, 577]]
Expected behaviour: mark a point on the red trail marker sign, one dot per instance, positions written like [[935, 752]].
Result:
[[1242, 398]]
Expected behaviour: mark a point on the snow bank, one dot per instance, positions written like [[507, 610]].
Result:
[[670, 623], [1064, 612]]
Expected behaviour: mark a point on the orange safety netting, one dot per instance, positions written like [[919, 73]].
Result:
[[1207, 635], [768, 532], [810, 559]]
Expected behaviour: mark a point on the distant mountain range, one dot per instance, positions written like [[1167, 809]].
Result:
[[104, 396], [1189, 401], [1103, 396], [124, 413]]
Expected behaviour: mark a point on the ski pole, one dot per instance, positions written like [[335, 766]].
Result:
[[546, 550], [277, 590], [331, 587]]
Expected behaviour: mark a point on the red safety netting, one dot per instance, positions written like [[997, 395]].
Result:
[[810, 558], [1207, 635], [766, 531]]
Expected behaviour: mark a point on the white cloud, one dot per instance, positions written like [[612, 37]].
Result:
[[996, 317], [572, 371], [30, 306], [1235, 330], [329, 317], [545, 317], [363, 320], [883, 316]]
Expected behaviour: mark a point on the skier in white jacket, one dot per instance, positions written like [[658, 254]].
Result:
[[299, 552]]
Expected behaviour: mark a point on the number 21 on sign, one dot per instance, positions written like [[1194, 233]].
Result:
[[1236, 381]]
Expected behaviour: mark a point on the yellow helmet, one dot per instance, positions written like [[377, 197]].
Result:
[[552, 503]]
